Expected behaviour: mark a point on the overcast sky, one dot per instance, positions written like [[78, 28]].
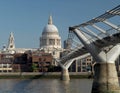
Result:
[[27, 18]]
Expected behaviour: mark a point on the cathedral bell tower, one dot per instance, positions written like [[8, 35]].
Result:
[[11, 44]]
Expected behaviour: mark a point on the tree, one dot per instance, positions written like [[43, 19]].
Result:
[[34, 67]]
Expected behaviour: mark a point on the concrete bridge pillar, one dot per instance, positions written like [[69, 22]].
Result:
[[64, 71], [105, 79], [65, 74]]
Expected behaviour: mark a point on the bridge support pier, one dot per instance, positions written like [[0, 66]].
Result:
[[106, 79], [65, 75]]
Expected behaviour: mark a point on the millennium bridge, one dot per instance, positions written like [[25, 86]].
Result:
[[100, 38]]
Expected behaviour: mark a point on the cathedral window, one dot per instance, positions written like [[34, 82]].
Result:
[[11, 46], [44, 42], [11, 40], [51, 41], [58, 42], [54, 53]]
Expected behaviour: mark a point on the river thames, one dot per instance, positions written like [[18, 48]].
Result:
[[45, 86]]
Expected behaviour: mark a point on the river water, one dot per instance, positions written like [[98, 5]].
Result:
[[45, 86]]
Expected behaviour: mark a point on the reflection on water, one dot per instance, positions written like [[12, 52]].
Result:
[[45, 86]]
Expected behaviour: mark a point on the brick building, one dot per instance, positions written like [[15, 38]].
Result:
[[40, 61], [20, 63]]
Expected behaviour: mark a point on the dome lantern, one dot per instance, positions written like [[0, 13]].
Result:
[[50, 20]]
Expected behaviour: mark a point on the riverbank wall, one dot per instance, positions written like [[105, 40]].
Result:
[[39, 75]]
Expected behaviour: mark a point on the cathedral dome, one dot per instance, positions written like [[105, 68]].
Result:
[[50, 41], [50, 36], [50, 28]]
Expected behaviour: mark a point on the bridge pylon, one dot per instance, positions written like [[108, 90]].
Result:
[[66, 64], [105, 79], [65, 74]]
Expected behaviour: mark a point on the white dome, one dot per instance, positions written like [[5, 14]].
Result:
[[50, 28], [50, 36]]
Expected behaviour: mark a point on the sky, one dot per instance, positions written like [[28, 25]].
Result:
[[27, 18]]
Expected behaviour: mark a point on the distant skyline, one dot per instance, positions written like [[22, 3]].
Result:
[[27, 18]]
